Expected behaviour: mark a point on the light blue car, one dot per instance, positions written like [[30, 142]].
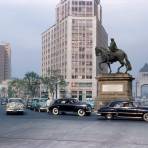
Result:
[[91, 102]]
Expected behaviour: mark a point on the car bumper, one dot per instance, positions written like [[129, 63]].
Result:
[[43, 108], [17, 110], [98, 114]]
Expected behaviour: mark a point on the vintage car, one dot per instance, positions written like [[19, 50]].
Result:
[[15, 105], [91, 102], [41, 104], [70, 105], [28, 103], [123, 109], [33, 104], [3, 101]]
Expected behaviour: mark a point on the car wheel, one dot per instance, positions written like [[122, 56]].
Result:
[[81, 112], [109, 116], [145, 117], [55, 111]]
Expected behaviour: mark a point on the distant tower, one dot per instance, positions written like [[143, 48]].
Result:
[[142, 82], [69, 46], [5, 61]]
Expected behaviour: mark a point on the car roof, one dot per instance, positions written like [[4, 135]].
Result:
[[112, 103], [15, 98], [67, 99]]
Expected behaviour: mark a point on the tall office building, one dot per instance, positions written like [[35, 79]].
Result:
[[5, 62], [69, 45]]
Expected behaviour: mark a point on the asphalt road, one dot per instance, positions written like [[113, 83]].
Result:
[[40, 130]]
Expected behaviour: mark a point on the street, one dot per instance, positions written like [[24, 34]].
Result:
[[41, 130]]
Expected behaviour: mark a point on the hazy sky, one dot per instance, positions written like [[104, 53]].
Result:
[[23, 21]]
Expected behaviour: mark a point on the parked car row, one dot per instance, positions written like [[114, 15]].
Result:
[[113, 109]]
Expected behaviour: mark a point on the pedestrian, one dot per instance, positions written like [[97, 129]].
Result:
[[48, 103]]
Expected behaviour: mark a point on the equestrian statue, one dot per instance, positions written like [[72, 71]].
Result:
[[113, 54]]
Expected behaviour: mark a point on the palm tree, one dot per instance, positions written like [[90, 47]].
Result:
[[32, 81], [52, 81]]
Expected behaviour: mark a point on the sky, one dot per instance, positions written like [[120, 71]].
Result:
[[23, 21]]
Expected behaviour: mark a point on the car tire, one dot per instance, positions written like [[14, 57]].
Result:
[[145, 117], [55, 111], [81, 112], [109, 116]]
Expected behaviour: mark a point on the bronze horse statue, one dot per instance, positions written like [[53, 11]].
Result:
[[110, 57]]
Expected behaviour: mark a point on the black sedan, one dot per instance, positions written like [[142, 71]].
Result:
[[70, 105], [123, 109]]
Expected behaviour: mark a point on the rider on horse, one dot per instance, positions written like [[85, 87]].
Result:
[[113, 47], [113, 54]]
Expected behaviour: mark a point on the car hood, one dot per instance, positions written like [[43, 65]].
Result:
[[14, 104]]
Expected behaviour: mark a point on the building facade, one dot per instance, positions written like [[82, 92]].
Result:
[[69, 46], [142, 83], [5, 62]]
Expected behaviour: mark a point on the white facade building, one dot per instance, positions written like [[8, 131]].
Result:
[[69, 45], [142, 83]]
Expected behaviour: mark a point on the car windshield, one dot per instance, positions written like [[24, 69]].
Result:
[[15, 100], [43, 100], [35, 100]]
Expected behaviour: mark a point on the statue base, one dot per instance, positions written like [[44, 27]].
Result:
[[113, 87]]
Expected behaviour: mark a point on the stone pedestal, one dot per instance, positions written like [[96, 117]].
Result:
[[113, 86]]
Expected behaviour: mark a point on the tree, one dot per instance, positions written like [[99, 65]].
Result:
[[3, 92], [52, 81], [16, 88], [32, 82]]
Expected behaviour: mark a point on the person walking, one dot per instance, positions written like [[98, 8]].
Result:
[[48, 103]]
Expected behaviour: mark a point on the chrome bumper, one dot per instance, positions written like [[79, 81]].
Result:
[[98, 114], [14, 110]]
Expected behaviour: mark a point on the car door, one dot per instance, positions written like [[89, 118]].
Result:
[[122, 110], [132, 111], [63, 105], [127, 109], [71, 105]]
